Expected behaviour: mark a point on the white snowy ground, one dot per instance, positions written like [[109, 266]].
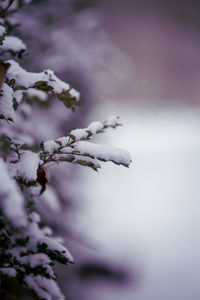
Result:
[[147, 218]]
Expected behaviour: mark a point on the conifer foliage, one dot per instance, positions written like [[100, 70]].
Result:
[[29, 250]]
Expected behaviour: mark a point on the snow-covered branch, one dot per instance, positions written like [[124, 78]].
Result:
[[74, 149], [28, 249]]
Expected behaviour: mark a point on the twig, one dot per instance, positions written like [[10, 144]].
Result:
[[2, 13]]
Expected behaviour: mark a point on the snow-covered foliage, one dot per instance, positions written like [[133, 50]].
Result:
[[12, 43], [11, 197], [18, 82], [28, 249], [73, 147]]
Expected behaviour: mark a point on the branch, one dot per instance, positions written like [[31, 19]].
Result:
[[3, 12]]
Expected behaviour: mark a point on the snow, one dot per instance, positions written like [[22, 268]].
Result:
[[83, 134], [50, 146], [45, 288], [18, 95], [11, 272], [2, 30], [85, 153], [64, 140], [95, 126], [6, 102], [24, 139], [104, 152], [50, 201], [13, 43], [55, 245], [77, 159], [28, 79], [66, 150], [112, 121], [34, 217], [37, 236], [36, 93], [150, 213], [12, 203], [94, 161], [79, 133], [74, 93], [47, 231], [27, 166], [35, 260], [26, 109], [32, 260]]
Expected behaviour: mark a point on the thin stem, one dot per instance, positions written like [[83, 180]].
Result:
[[2, 13]]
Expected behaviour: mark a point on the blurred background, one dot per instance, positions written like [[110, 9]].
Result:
[[134, 233]]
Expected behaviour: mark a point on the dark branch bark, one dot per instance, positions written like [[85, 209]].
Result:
[[3, 12]]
